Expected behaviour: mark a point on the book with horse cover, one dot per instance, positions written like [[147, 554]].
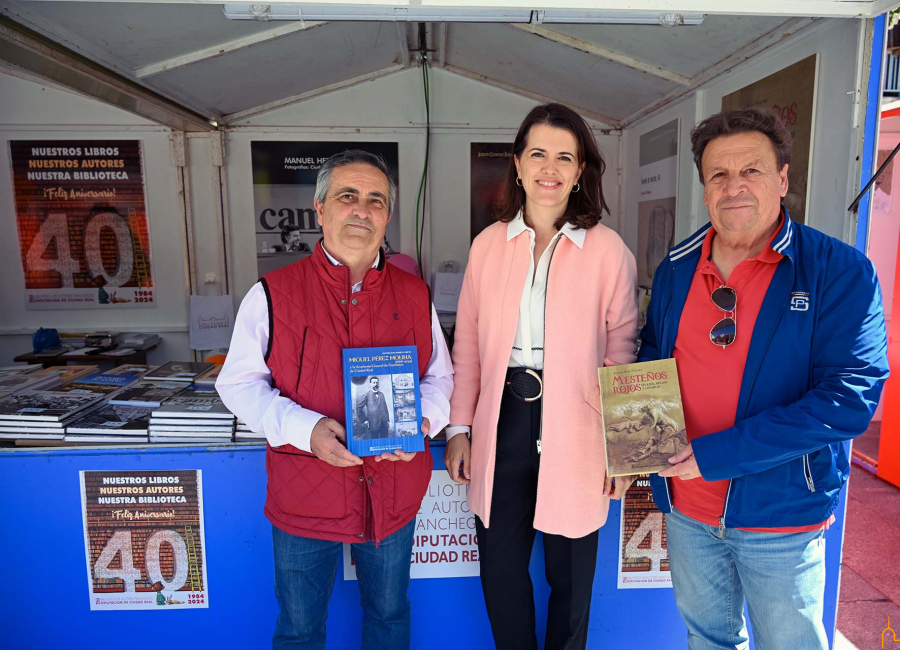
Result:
[[643, 419]]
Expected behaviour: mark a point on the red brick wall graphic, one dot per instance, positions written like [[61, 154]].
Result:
[[82, 218], [643, 540], [144, 536]]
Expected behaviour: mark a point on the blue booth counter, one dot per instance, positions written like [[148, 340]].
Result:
[[46, 604]]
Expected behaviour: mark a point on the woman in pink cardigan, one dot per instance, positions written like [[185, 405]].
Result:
[[549, 295]]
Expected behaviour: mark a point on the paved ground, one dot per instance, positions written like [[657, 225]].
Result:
[[870, 582]]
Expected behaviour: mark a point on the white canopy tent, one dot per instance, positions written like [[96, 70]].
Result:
[[203, 85], [197, 88]]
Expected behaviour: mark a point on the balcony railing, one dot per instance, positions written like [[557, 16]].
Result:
[[892, 76]]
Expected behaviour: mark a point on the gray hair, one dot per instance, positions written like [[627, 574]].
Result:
[[352, 157]]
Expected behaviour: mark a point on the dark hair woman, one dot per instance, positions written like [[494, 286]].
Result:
[[549, 295]]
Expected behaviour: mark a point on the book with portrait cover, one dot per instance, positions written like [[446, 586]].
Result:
[[382, 403], [643, 419]]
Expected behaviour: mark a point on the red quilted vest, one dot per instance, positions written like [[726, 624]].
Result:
[[312, 317]]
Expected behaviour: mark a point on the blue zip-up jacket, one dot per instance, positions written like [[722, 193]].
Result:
[[814, 373]]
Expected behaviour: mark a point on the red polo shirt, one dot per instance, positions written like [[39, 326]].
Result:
[[711, 406]]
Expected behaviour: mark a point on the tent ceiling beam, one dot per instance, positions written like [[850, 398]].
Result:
[[471, 8], [604, 53], [283, 29], [34, 54], [764, 42], [312, 94], [403, 42]]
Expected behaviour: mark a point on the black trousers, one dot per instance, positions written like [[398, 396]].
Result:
[[505, 548]]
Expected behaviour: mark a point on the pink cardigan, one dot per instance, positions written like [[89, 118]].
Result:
[[591, 315]]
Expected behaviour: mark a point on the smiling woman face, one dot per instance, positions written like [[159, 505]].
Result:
[[548, 167]]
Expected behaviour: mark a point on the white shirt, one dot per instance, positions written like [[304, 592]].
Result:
[[528, 345], [245, 383]]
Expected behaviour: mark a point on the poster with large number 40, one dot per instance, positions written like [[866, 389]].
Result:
[[82, 222], [144, 539]]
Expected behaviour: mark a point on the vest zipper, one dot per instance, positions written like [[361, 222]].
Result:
[[300, 363], [370, 533]]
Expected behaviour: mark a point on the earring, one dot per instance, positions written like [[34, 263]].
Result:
[[577, 187], [519, 182]]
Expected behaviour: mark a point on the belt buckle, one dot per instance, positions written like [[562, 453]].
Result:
[[531, 373]]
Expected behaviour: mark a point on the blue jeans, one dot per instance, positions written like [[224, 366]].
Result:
[[782, 576], [304, 575]]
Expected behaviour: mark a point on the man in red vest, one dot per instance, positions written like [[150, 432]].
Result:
[[283, 377]]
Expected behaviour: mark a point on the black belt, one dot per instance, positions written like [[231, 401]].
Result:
[[525, 384]]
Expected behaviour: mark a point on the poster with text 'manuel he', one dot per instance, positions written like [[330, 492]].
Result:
[[284, 192], [82, 223], [144, 539]]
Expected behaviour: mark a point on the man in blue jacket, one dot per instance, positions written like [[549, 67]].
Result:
[[778, 332]]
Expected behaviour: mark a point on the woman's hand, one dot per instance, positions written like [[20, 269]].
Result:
[[458, 452], [615, 487]]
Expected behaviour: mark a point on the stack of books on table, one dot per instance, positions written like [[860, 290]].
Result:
[[183, 371], [194, 415], [72, 340], [138, 340], [97, 339], [103, 339], [113, 423], [44, 414], [243, 433]]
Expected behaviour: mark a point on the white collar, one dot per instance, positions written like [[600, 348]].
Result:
[[517, 226], [334, 262]]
